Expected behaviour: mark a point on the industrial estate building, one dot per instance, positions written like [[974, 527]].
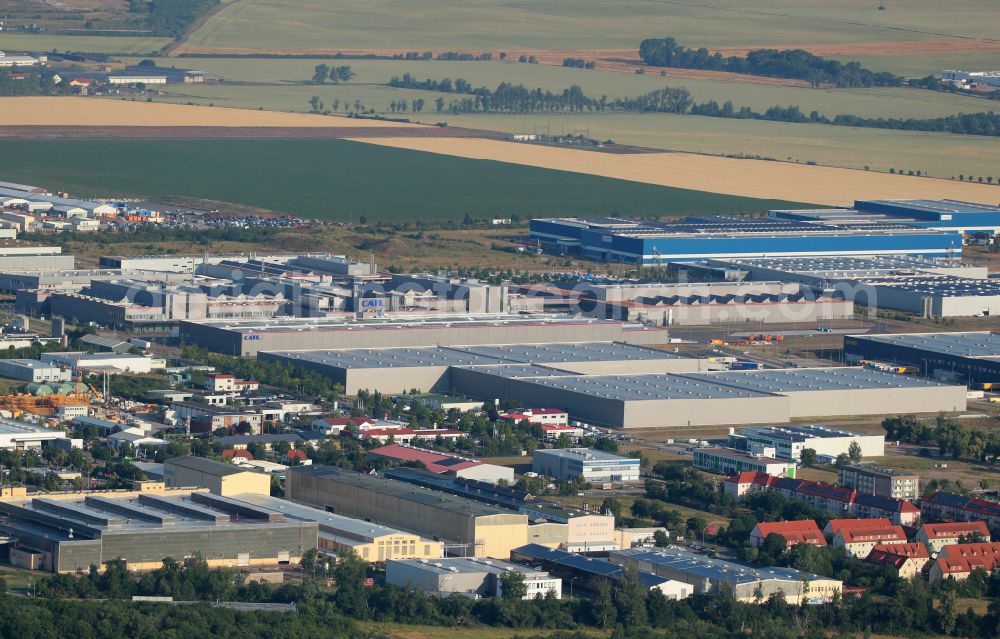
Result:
[[550, 524], [448, 465], [69, 532], [972, 358], [588, 574], [468, 576], [728, 461], [710, 575], [21, 436], [466, 527], [789, 440], [929, 288], [585, 464], [653, 243], [250, 337], [339, 534], [876, 480]]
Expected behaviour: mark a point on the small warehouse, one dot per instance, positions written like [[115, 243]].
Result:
[[219, 478], [467, 576]]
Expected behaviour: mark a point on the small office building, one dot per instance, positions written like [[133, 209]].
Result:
[[587, 464], [220, 478], [727, 461]]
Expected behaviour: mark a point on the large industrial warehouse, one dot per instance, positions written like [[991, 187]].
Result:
[[397, 370], [247, 338], [653, 243], [928, 288], [626, 386], [67, 532], [972, 358]]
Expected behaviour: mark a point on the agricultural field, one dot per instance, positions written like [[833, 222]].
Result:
[[938, 154], [745, 177], [341, 180], [291, 77], [47, 42], [570, 24]]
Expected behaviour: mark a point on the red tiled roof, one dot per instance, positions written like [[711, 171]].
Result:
[[953, 565], [955, 529], [795, 532], [245, 454], [862, 535], [547, 411], [296, 454], [987, 549], [906, 550], [836, 525], [434, 462]]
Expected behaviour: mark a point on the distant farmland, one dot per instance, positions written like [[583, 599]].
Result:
[[338, 179]]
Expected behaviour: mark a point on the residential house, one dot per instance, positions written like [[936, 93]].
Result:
[[794, 532], [907, 559], [936, 536]]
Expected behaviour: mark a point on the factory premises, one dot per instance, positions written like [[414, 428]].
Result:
[[711, 370]]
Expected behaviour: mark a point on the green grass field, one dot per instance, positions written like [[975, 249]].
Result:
[[884, 102], [582, 24], [85, 44], [337, 179]]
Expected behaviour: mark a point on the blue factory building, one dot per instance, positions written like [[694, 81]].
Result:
[[949, 215], [720, 237]]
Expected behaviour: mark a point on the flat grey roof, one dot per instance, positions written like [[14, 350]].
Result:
[[971, 344], [13, 427], [518, 371], [466, 565], [586, 454], [297, 325], [780, 381], [796, 432], [403, 490], [569, 352], [203, 465], [327, 521], [387, 357], [646, 387], [674, 558]]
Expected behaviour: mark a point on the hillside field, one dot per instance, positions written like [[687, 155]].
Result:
[[44, 42], [340, 180], [582, 24]]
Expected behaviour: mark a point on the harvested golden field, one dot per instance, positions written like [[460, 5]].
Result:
[[58, 111], [749, 178]]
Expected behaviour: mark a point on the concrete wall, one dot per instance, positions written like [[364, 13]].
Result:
[[762, 409], [877, 401]]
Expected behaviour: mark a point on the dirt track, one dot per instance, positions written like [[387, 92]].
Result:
[[752, 178]]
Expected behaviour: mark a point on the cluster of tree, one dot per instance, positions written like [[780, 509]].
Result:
[[304, 382], [951, 438], [400, 106], [789, 63], [133, 387], [578, 63], [29, 81], [473, 57], [170, 18], [336, 75], [971, 178]]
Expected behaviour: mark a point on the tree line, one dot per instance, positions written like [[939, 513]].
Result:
[[511, 98], [67, 605], [795, 64]]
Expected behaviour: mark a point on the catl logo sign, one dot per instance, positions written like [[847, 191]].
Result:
[[373, 303]]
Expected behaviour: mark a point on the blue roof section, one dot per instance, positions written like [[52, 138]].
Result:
[[581, 564]]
